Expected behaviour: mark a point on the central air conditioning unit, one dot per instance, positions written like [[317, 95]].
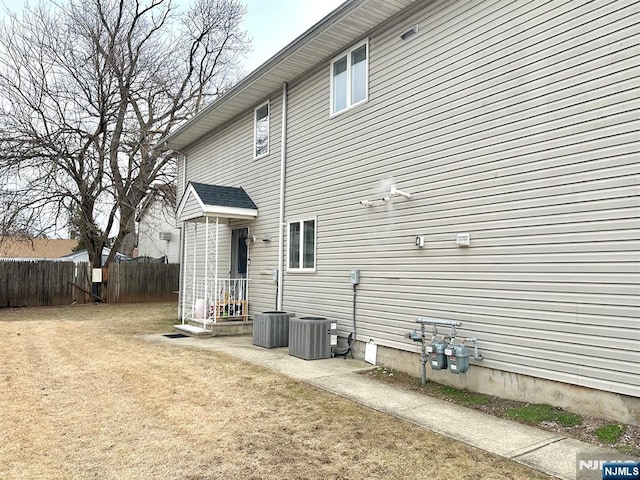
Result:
[[165, 236], [311, 338], [271, 329]]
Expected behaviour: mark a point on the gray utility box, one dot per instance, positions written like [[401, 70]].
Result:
[[458, 356], [311, 338], [437, 357], [271, 329]]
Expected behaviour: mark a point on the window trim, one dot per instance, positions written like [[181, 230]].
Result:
[[347, 54], [255, 129], [302, 269]]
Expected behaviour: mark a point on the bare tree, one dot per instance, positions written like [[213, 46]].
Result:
[[86, 89]]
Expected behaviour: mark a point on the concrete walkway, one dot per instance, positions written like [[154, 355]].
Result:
[[544, 451]]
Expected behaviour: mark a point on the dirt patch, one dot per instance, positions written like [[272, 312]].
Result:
[[628, 443], [82, 396]]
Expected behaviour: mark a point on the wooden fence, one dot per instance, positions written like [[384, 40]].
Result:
[[48, 283], [130, 282]]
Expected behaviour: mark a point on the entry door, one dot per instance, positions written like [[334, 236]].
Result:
[[239, 250]]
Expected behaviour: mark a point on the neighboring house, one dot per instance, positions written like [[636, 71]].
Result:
[[475, 161], [83, 256], [12, 248], [157, 233]]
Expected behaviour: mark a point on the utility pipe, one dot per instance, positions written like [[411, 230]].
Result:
[[438, 322], [283, 164]]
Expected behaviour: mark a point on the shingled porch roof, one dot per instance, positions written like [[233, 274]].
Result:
[[201, 200]]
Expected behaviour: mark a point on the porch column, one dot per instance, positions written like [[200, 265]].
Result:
[[206, 268], [184, 271], [215, 310], [195, 266]]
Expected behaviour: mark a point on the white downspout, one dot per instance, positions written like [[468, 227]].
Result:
[[283, 163]]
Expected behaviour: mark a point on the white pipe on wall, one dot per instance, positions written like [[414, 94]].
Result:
[[283, 171]]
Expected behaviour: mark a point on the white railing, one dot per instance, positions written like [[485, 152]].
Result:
[[226, 301]]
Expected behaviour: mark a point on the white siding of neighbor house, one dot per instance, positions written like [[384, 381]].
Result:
[[225, 157], [516, 122], [159, 218]]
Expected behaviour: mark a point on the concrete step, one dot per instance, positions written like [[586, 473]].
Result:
[[192, 330], [200, 328]]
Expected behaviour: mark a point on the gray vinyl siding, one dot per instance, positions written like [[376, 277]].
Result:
[[192, 208], [225, 157], [516, 122]]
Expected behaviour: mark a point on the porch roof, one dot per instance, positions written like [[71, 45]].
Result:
[[201, 200]]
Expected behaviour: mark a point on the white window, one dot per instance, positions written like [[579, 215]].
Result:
[[350, 78], [261, 131], [302, 246]]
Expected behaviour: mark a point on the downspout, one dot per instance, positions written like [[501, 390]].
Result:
[[283, 170]]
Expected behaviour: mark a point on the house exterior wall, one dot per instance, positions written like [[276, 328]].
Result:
[[514, 122], [226, 158], [522, 133]]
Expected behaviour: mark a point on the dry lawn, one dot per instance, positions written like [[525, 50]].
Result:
[[83, 396]]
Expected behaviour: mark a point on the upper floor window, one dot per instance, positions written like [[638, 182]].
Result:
[[261, 131], [302, 246], [350, 78]]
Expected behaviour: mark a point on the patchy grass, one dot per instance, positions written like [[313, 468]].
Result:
[[464, 397], [610, 433], [537, 413], [82, 396]]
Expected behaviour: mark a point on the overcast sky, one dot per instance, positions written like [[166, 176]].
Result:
[[272, 24]]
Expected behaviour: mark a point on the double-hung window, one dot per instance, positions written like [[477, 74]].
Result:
[[350, 78], [302, 246], [261, 131]]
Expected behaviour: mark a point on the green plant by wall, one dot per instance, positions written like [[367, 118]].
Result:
[[541, 412], [610, 433]]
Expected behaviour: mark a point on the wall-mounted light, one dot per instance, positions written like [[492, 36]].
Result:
[[249, 240]]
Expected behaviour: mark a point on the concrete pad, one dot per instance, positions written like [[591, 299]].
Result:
[[379, 396], [505, 438], [557, 459]]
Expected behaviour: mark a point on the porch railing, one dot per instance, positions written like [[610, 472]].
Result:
[[228, 300]]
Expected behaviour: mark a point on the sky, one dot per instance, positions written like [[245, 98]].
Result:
[[272, 24]]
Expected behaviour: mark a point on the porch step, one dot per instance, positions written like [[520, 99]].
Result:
[[196, 328], [192, 330]]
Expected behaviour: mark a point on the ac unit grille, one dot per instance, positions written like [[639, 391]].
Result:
[[310, 337], [271, 329]]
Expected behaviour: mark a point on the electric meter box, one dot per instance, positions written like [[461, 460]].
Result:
[[437, 358], [458, 358]]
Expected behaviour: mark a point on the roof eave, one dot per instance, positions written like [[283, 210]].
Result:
[[293, 61]]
